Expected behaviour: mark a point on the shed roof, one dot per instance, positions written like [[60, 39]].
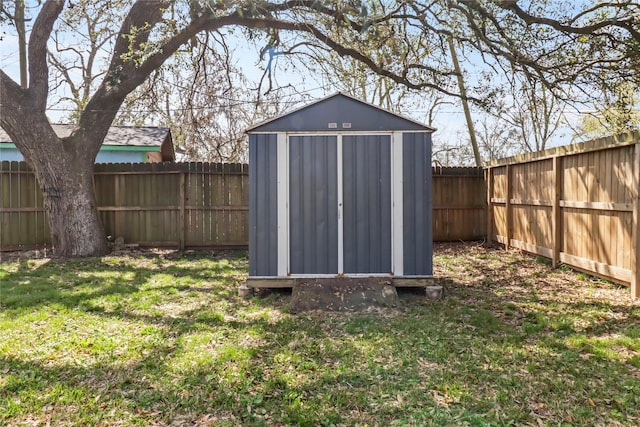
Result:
[[338, 113], [124, 136]]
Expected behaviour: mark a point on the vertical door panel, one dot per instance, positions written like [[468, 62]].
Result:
[[263, 186], [417, 200], [367, 203], [313, 205]]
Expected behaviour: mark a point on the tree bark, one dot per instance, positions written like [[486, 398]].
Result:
[[65, 174], [22, 41], [69, 200]]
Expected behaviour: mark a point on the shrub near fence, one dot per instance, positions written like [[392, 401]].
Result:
[[195, 205], [576, 204]]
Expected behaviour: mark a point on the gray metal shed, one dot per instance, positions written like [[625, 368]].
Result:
[[339, 188]]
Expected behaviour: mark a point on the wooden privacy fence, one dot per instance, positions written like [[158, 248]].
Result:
[[196, 205], [576, 204], [459, 204], [184, 205]]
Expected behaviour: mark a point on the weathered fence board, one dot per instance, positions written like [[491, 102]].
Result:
[[22, 219], [574, 204], [195, 205], [172, 204], [459, 204]]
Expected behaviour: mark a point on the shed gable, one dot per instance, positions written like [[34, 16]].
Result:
[[339, 112]]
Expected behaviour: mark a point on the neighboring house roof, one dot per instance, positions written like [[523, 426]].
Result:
[[144, 137], [339, 113]]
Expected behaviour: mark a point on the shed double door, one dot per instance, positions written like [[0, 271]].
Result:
[[339, 204]]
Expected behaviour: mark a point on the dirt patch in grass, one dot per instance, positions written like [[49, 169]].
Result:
[[342, 294], [501, 280]]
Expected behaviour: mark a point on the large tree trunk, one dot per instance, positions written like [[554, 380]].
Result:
[[64, 170], [70, 204], [65, 173]]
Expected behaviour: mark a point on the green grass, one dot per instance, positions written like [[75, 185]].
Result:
[[145, 339]]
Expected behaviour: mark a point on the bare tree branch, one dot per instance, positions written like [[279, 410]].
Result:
[[38, 70]]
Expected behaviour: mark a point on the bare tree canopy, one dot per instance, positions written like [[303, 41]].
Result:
[[560, 42]]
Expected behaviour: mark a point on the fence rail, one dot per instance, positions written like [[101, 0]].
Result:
[[198, 205], [578, 205]]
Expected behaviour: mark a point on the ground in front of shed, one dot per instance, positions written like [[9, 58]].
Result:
[[343, 294]]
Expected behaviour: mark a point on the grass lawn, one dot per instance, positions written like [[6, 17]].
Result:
[[160, 339]]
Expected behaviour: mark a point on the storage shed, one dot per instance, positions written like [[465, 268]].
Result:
[[339, 188]]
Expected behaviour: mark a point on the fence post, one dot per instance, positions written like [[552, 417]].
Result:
[[181, 224], [508, 213], [489, 179], [635, 234], [556, 214]]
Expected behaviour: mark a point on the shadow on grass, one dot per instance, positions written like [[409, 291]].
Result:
[[497, 342], [149, 385], [77, 282]]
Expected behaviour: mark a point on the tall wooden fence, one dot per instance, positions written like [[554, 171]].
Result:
[[459, 204], [576, 204], [195, 205], [184, 205]]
